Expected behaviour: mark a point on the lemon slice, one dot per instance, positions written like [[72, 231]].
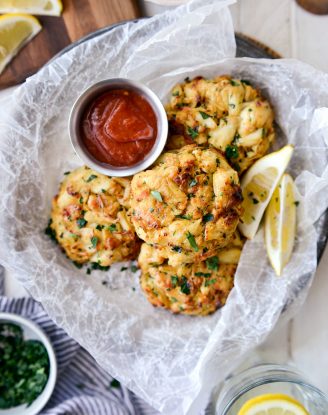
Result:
[[258, 185], [273, 404], [15, 31], [280, 224], [42, 7]]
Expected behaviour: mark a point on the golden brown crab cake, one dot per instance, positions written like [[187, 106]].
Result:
[[194, 289], [90, 218], [227, 113], [190, 202]]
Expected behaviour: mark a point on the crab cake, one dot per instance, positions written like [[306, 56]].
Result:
[[90, 220], [190, 202], [195, 289], [227, 113]]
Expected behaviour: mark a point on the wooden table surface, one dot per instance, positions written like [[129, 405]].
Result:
[[78, 19]]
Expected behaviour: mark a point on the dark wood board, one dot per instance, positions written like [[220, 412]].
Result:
[[79, 18]]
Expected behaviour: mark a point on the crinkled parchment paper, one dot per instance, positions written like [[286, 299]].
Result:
[[171, 361]]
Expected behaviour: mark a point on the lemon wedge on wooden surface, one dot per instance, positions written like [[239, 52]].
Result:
[[41, 7], [280, 224], [273, 404], [257, 186], [15, 31]]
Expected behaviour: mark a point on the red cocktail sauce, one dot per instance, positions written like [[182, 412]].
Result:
[[119, 127]]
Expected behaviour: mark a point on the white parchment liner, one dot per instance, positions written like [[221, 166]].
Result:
[[173, 362]]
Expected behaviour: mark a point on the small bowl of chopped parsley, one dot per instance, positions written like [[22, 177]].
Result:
[[28, 366]]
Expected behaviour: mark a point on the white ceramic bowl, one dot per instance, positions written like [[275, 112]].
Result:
[[88, 96], [33, 332]]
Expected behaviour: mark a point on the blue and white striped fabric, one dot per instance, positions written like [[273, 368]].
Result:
[[82, 388]]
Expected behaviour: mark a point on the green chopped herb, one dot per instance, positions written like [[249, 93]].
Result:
[[100, 227], [184, 286], [296, 202], [177, 249], [134, 268], [234, 83], [81, 200], [24, 367], [81, 222], [187, 79], [204, 115], [66, 173], [77, 264], [156, 195], [244, 81], [192, 132], [253, 218], [173, 300], [175, 93], [264, 132], [193, 183], [174, 281], [213, 263], [231, 152], [91, 177], [114, 384], [124, 268], [88, 271], [51, 232], [210, 282], [112, 227], [151, 210], [97, 266], [192, 241], [208, 217], [103, 191], [203, 274], [187, 217], [133, 289], [94, 241]]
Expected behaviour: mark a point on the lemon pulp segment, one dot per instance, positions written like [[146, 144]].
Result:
[[273, 404]]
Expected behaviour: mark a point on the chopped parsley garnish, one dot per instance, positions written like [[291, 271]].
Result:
[[96, 265], [188, 217], [174, 280], [193, 183], [81, 200], [94, 241], [184, 286], [24, 367], [112, 227], [244, 81], [212, 263], [203, 274], [208, 217], [114, 384], [210, 282], [77, 264], [151, 210], [173, 300], [296, 202], [177, 249], [51, 232], [231, 152], [156, 195], [204, 115], [103, 191], [175, 93], [234, 83], [81, 222], [88, 271], [187, 79], [124, 268], [100, 227], [134, 268], [66, 173], [192, 132], [192, 241], [91, 177]]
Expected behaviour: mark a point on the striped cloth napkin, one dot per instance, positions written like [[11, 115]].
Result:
[[82, 388]]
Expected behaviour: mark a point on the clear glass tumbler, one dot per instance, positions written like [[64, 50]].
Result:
[[270, 378]]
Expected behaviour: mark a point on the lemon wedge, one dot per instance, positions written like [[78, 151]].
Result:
[[273, 404], [15, 31], [42, 7], [280, 224], [257, 186]]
